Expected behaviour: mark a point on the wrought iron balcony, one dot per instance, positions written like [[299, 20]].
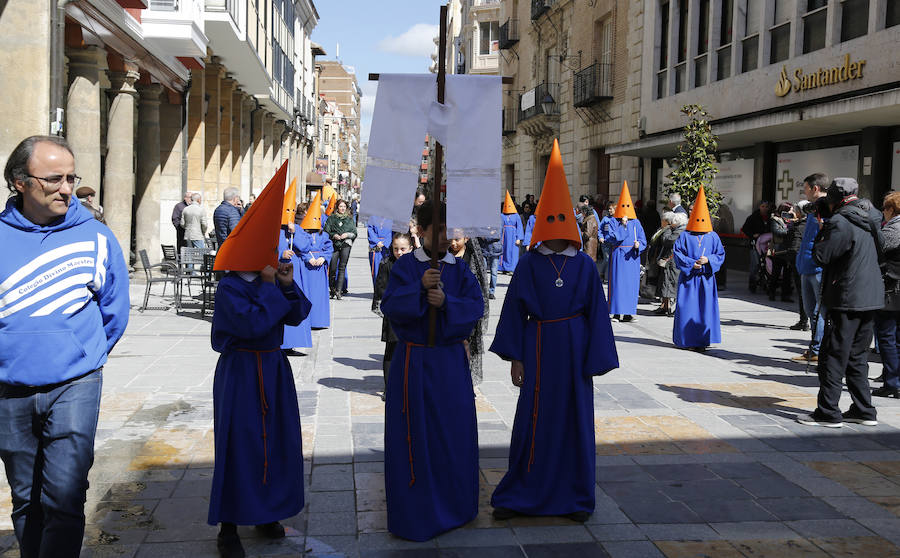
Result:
[[509, 33], [543, 99], [540, 7], [593, 85], [509, 121]]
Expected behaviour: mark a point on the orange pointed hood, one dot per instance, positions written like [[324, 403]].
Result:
[[313, 218], [554, 217], [253, 244], [626, 206], [508, 205], [330, 195], [699, 220], [290, 204]]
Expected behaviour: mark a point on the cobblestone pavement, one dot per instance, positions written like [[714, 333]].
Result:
[[697, 454]]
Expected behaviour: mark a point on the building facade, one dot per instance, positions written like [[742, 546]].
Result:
[[161, 98], [576, 69], [793, 87], [339, 89]]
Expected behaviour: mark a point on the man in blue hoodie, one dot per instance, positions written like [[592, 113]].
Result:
[[63, 306], [814, 186]]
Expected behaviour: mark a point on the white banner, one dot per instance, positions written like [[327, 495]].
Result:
[[735, 182], [527, 100], [794, 167]]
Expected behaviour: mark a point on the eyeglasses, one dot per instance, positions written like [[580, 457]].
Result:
[[56, 181]]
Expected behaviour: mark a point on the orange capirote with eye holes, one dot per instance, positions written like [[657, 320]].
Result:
[[699, 220], [554, 217], [625, 208]]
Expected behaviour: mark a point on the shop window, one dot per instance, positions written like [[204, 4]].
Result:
[[814, 21], [781, 43], [854, 19], [490, 37], [723, 53]]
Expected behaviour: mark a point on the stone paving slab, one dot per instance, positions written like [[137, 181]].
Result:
[[697, 454]]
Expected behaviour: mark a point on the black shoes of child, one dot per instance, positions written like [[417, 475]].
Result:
[[885, 391], [272, 530], [502, 514], [229, 543]]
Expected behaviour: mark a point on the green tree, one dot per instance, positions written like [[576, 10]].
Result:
[[695, 163]]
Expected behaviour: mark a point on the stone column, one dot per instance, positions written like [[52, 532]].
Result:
[[259, 152], [226, 156], [214, 74], [237, 114], [269, 159], [278, 153], [119, 175], [247, 105], [147, 187], [171, 153], [83, 114], [196, 133]]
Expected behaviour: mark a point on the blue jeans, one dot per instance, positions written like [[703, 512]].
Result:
[[491, 262], [887, 333], [47, 445], [810, 285]]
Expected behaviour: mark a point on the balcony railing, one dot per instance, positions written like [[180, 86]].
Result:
[[509, 33], [540, 7], [543, 99], [164, 5], [509, 121], [593, 84]]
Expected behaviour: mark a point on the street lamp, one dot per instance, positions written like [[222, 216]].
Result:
[[547, 103]]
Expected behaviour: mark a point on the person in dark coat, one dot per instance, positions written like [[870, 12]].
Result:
[[848, 247], [668, 284], [176, 219], [491, 249], [470, 252], [227, 215], [782, 264], [794, 246], [401, 244], [886, 320], [756, 224]]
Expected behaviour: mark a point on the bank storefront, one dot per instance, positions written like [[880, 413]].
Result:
[[779, 116]]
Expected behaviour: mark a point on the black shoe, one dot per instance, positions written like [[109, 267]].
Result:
[[579, 516], [853, 416], [345, 291], [670, 313], [491, 296], [272, 530], [337, 296], [616, 317], [802, 325], [331, 295], [661, 311], [229, 545], [628, 318], [501, 514], [885, 391], [814, 419], [293, 352]]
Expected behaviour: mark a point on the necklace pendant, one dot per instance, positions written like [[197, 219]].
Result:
[[559, 282]]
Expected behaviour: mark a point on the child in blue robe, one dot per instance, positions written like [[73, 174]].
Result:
[[698, 256], [430, 432], [528, 229], [511, 237], [400, 245], [379, 233], [300, 336], [258, 476], [626, 241], [315, 249]]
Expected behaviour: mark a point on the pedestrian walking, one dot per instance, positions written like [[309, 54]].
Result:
[[814, 187], [296, 337], [511, 236], [341, 228], [626, 242], [315, 252], [430, 462], [379, 234], [194, 223], [699, 254], [64, 285], [554, 320], [258, 475], [848, 248], [227, 215], [757, 223], [668, 285], [887, 318], [176, 219]]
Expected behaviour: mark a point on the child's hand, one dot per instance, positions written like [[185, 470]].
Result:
[[287, 254], [431, 278], [285, 274], [703, 260], [517, 373], [268, 274], [435, 297]]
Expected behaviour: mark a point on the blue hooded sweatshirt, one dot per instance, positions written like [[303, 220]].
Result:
[[63, 296]]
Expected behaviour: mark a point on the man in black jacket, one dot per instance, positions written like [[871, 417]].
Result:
[[848, 248], [757, 223]]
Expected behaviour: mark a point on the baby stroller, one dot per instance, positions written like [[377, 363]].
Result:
[[765, 250]]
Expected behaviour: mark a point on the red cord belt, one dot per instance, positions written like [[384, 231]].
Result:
[[263, 405], [537, 382]]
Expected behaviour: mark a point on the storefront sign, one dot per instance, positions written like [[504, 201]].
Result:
[[845, 71], [795, 166]]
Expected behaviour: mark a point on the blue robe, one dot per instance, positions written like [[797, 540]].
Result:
[[511, 232], [529, 228], [625, 265], [442, 452], [697, 311], [315, 244], [295, 336], [256, 480], [572, 350], [379, 230]]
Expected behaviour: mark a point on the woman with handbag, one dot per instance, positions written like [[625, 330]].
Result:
[[668, 282], [886, 330]]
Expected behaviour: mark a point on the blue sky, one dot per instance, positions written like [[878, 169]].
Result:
[[391, 37]]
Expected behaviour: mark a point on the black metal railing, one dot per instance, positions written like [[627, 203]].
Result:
[[546, 101], [540, 7], [461, 68], [509, 33], [509, 121], [593, 84]]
